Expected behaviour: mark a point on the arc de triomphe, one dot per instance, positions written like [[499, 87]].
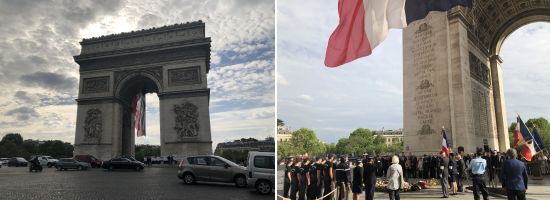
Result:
[[171, 61], [452, 74]]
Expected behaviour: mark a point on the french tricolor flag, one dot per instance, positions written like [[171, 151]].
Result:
[[364, 24], [444, 143]]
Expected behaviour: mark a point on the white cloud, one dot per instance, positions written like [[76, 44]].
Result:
[[305, 97]]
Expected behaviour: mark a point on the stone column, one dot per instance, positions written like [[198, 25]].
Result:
[[500, 105]]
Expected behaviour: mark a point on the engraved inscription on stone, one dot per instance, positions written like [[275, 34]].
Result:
[[425, 97], [479, 70], [187, 120], [144, 40], [96, 84], [481, 116], [184, 76], [93, 125]]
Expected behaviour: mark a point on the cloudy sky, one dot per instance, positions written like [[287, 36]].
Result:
[[40, 78], [369, 92]]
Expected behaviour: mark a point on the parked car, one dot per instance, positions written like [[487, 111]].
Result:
[[45, 160], [4, 161], [123, 163], [93, 161], [17, 162], [211, 168], [261, 171], [70, 163]]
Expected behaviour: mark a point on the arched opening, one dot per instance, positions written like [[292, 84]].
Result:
[[524, 70], [128, 90]]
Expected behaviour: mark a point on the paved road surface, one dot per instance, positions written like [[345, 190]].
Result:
[[152, 183]]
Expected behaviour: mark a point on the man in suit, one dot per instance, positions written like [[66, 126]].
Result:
[[514, 176], [369, 178], [444, 175]]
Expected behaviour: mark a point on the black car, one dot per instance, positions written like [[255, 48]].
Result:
[[17, 162], [123, 163]]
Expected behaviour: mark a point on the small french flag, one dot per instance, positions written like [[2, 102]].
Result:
[[444, 143]]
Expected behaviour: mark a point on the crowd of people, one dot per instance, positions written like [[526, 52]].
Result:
[[338, 177]]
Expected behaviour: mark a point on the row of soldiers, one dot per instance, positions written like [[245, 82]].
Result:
[[313, 178]]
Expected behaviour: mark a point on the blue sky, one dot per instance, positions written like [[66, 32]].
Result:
[[40, 77], [369, 92]]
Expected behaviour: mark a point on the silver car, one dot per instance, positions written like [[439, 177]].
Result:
[[69, 163], [211, 168]]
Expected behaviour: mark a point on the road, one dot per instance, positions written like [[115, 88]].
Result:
[[151, 183]]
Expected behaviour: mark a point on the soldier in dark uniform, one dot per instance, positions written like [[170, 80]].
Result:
[[425, 166], [286, 184], [294, 180], [328, 176], [304, 179], [313, 179], [414, 165], [343, 178], [369, 178], [357, 181], [317, 182]]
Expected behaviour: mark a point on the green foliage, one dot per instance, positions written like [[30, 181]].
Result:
[[146, 150], [280, 122], [363, 141], [12, 137], [12, 145], [305, 141], [284, 149], [237, 156]]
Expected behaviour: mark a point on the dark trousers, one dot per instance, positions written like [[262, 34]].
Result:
[[394, 194], [303, 189], [312, 190], [459, 183], [343, 190], [515, 195], [479, 186], [329, 186], [293, 190], [286, 188], [444, 186], [369, 192]]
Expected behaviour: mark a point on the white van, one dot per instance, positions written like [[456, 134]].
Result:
[[261, 171]]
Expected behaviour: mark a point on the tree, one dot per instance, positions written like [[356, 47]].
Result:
[[304, 141], [280, 122], [362, 141], [15, 138]]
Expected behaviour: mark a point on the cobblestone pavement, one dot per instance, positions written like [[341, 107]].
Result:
[[537, 190], [151, 183]]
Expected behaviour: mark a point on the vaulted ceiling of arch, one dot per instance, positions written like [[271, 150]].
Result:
[[488, 16]]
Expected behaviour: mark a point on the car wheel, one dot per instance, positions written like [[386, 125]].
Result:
[[263, 187], [58, 168], [137, 168], [79, 168], [111, 167], [49, 165], [240, 181], [188, 178]]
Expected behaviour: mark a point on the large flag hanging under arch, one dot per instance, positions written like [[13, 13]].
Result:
[[364, 24], [138, 114]]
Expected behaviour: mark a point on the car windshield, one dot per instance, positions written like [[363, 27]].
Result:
[[20, 159], [48, 157]]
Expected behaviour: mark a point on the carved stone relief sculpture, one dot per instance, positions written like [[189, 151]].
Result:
[[93, 125], [187, 120]]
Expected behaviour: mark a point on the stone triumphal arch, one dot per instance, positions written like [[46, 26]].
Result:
[[171, 61], [452, 74]]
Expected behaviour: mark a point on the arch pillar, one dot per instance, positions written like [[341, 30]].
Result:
[[499, 103]]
